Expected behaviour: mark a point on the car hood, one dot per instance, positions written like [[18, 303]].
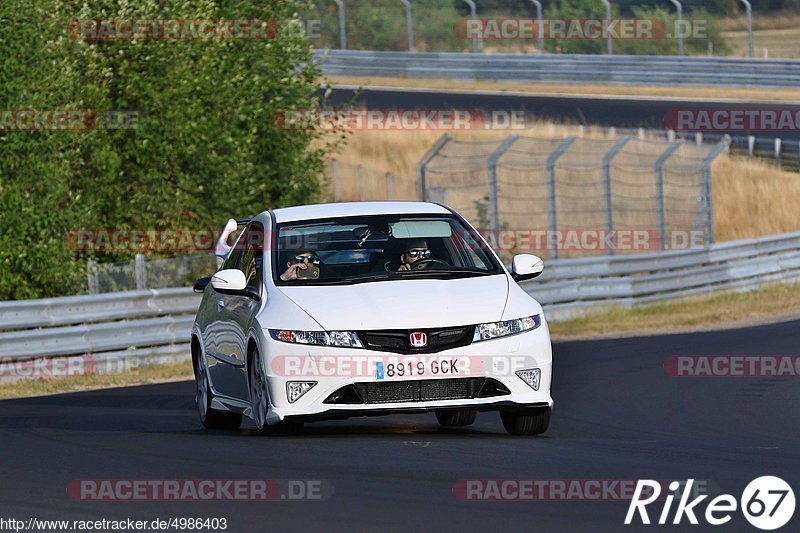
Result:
[[403, 304]]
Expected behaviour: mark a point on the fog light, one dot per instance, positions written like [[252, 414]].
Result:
[[531, 377], [296, 389]]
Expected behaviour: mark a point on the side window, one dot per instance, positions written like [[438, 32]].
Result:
[[235, 255], [252, 256]]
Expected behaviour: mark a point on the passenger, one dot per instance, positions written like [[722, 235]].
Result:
[[301, 261]]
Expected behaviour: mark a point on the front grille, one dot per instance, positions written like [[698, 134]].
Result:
[[399, 341], [418, 391]]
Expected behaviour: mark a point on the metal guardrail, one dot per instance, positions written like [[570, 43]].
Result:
[[96, 308], [146, 327], [564, 68], [95, 334], [570, 287]]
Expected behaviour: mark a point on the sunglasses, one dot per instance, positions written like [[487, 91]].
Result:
[[303, 258], [424, 253]]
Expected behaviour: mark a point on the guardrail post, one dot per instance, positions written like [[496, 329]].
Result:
[[494, 207], [617, 148], [342, 25], [540, 24], [91, 276], [389, 186], [335, 179], [660, 215], [749, 10], [477, 42], [362, 179], [422, 188], [551, 189], [778, 151], [610, 44], [680, 25], [706, 172], [140, 271]]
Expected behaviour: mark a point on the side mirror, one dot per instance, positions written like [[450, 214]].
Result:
[[200, 284], [231, 280], [526, 266]]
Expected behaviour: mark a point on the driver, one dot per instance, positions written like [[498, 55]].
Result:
[[415, 250]]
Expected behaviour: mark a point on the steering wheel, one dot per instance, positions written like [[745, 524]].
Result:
[[418, 264], [386, 265]]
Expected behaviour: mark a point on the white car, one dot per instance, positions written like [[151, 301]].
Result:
[[369, 308]]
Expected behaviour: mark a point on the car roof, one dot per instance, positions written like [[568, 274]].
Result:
[[347, 209]]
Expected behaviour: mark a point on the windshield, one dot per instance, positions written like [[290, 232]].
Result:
[[379, 248]]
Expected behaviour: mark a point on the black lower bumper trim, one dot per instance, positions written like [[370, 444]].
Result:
[[341, 414]]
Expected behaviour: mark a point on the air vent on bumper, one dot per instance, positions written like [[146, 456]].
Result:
[[417, 391]]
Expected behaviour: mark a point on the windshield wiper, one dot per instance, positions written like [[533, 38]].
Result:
[[448, 271], [400, 274], [350, 280]]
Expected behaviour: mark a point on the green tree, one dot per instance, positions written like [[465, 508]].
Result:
[[206, 146]]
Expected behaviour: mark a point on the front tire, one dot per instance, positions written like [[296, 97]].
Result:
[[259, 402], [210, 418], [456, 418], [526, 422]]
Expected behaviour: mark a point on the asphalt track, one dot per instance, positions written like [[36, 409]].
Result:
[[598, 110], [618, 415]]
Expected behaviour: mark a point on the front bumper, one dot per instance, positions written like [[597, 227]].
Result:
[[335, 368]]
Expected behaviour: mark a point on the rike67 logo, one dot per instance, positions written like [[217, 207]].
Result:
[[767, 503]]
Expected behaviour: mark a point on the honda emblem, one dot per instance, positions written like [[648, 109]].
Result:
[[418, 339]]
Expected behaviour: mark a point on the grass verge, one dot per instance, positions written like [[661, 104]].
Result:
[[730, 309], [139, 376]]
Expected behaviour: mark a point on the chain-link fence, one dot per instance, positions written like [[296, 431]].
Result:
[[143, 273], [542, 191], [560, 188]]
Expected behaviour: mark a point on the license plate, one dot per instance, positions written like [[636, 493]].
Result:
[[412, 368]]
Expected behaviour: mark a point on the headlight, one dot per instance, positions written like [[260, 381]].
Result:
[[345, 339], [493, 330]]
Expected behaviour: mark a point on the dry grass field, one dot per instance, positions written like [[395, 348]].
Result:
[[751, 197]]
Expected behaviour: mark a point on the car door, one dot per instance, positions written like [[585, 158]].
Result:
[[220, 336], [238, 310]]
